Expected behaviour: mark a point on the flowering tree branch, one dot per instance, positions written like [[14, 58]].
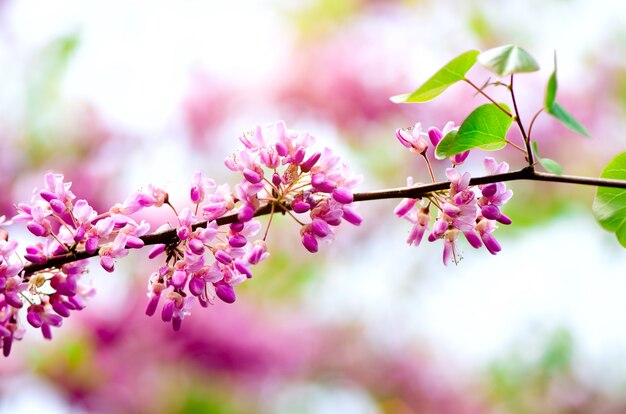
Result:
[[214, 243], [418, 191]]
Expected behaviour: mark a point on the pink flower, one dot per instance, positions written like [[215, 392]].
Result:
[[413, 138]]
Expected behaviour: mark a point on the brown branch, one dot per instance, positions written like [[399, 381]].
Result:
[[528, 173]]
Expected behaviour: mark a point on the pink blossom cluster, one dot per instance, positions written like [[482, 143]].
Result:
[[63, 225], [205, 261], [462, 209], [280, 166]]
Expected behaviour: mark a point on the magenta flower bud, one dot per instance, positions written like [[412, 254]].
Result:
[[236, 227], [320, 228], [246, 213], [309, 242], [196, 246], [153, 303], [46, 332], [300, 207], [168, 311], [196, 286], [473, 239], [177, 323], [243, 269], [310, 162], [440, 227], [47, 195], [491, 243], [60, 308], [225, 292], [252, 176], [183, 232], [404, 207], [504, 219], [435, 135], [156, 250], [490, 212], [179, 278], [195, 194], [327, 186], [57, 206], [489, 190], [80, 234], [37, 229], [34, 319], [237, 240], [459, 159], [257, 253], [223, 257], [282, 149], [333, 218], [400, 135], [451, 210], [134, 242], [298, 156], [13, 299], [351, 216], [35, 258], [343, 195], [107, 263], [276, 180]]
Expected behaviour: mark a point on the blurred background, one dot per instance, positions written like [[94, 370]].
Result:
[[119, 94]]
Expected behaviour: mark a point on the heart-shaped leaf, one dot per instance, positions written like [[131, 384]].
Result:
[[484, 128], [609, 206], [448, 75], [506, 60]]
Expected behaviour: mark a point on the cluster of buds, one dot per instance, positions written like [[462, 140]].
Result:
[[280, 167], [205, 261], [461, 210]]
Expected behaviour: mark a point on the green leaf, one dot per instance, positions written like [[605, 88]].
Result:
[[550, 165], [568, 120], [551, 88], [506, 60], [484, 128], [609, 206], [557, 111], [448, 75]]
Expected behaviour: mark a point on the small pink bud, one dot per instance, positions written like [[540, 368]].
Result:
[[281, 149], [237, 240], [225, 292], [310, 162], [320, 228], [351, 216], [276, 180], [153, 303], [134, 242], [223, 257], [179, 278], [156, 250], [196, 286], [298, 156], [343, 195], [57, 206], [489, 190], [435, 135], [310, 242], [196, 246], [37, 229], [300, 206], [252, 176]]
